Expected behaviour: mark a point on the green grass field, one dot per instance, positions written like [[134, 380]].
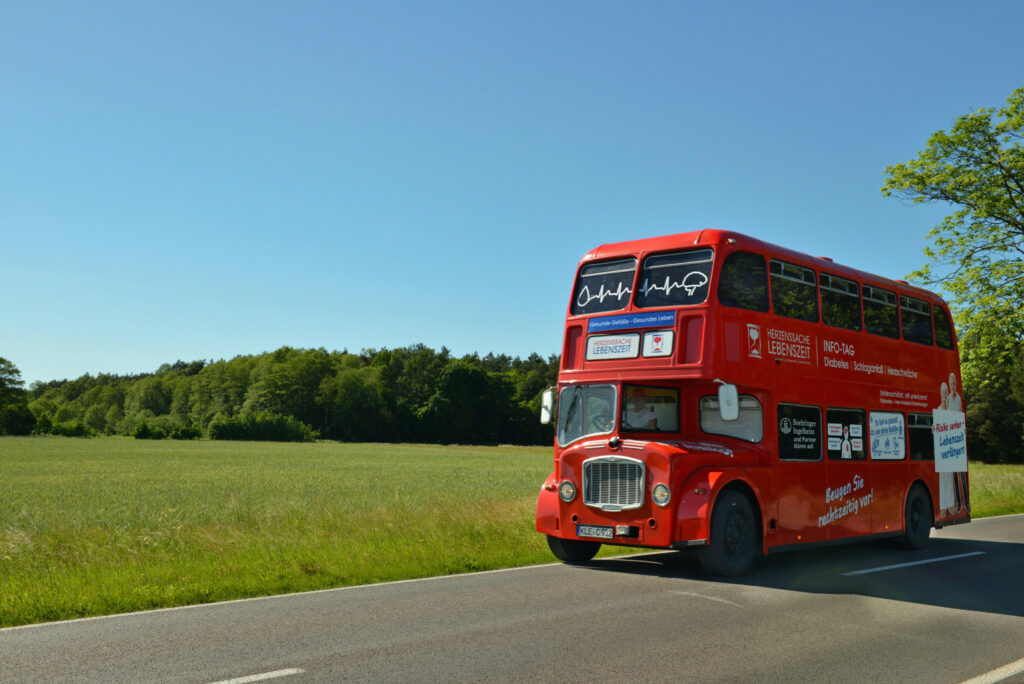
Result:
[[107, 525], [996, 489]]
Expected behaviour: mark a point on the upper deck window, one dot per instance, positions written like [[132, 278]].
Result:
[[677, 279], [603, 286], [880, 315], [840, 302], [917, 320], [794, 291], [943, 329], [743, 282]]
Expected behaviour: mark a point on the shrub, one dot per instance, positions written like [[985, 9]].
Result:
[[186, 432], [72, 428], [144, 430], [261, 427]]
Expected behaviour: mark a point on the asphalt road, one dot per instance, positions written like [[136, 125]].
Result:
[[796, 617]]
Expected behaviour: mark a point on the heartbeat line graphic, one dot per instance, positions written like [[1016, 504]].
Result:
[[584, 298], [690, 282]]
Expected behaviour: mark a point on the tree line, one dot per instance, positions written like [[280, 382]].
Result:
[[410, 394]]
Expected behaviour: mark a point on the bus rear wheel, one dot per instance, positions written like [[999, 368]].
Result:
[[917, 519], [733, 543], [572, 551]]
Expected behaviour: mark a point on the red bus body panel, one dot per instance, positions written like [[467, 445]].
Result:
[[797, 362]]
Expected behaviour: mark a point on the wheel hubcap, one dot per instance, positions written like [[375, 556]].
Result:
[[735, 535]]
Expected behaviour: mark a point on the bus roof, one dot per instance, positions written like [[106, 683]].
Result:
[[712, 237]]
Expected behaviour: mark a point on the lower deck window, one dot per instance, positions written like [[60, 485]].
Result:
[[888, 436], [799, 432], [921, 442], [846, 431], [748, 427], [650, 409]]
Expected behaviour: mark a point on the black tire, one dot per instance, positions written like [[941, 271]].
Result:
[[572, 551], [734, 537], [917, 519]]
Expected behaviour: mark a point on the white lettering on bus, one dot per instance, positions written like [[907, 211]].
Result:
[[845, 507], [833, 347]]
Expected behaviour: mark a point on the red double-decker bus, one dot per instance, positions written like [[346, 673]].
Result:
[[722, 393]]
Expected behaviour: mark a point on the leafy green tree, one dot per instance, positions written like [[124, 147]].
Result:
[[354, 407], [11, 383], [469, 406], [977, 257], [977, 252], [148, 396], [15, 416]]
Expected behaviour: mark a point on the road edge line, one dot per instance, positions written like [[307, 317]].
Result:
[[998, 674]]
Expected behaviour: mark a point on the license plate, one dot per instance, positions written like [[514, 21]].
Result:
[[596, 531]]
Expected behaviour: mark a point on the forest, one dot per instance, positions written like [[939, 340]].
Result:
[[410, 394]]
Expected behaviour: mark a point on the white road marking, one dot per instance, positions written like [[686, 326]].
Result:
[[331, 590], [262, 677], [907, 565], [999, 674], [709, 598]]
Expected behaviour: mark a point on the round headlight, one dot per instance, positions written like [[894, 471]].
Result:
[[661, 494], [566, 491]]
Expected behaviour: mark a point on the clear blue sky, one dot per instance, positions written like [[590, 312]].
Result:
[[202, 180]]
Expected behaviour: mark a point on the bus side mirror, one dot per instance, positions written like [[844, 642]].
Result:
[[728, 401], [547, 406]]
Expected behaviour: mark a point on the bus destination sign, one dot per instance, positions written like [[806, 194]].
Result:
[[629, 321]]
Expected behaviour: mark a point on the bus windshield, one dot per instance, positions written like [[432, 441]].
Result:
[[585, 410]]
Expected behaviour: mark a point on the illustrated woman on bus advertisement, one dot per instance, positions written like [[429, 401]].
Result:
[[951, 485]]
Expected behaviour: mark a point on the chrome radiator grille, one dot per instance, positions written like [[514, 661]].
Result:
[[613, 483]]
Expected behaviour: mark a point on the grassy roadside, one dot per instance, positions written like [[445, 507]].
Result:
[[996, 489], [98, 526], [91, 527]]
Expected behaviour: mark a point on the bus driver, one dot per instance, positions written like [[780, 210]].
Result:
[[638, 415]]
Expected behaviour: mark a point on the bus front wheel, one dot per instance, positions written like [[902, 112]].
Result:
[[917, 519], [572, 551], [733, 542]]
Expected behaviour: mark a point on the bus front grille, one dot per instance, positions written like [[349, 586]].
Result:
[[613, 483]]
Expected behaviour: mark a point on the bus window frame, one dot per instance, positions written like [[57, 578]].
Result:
[[865, 444], [623, 399], [856, 297], [898, 330], [767, 304], [642, 265], [871, 452], [782, 276], [909, 308], [778, 428]]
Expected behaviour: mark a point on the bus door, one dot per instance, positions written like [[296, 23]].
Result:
[[800, 474], [848, 487]]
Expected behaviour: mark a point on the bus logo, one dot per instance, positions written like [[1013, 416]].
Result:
[[754, 341]]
